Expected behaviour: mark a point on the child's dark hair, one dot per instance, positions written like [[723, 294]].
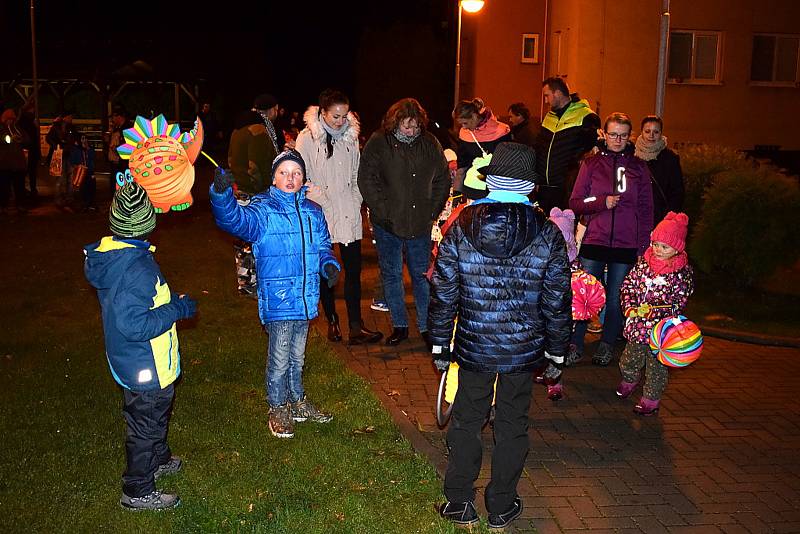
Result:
[[327, 99]]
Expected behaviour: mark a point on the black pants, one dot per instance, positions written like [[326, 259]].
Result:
[[9, 180], [147, 416], [472, 404], [33, 169], [351, 264]]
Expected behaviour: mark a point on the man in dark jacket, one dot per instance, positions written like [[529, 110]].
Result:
[[502, 269], [569, 130]]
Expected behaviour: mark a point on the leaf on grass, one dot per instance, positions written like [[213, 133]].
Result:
[[366, 430], [250, 507], [393, 393], [340, 516], [359, 487], [197, 361]]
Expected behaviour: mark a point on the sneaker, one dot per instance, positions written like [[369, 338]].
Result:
[[303, 410], [603, 355], [501, 521], [462, 514], [154, 500], [379, 305], [170, 467], [573, 356], [280, 422]]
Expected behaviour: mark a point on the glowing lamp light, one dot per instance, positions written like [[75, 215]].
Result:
[[472, 6], [8, 139]]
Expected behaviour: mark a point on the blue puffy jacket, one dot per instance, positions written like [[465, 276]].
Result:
[[139, 313], [291, 245], [503, 270]]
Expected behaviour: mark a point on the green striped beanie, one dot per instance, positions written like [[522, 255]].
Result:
[[131, 213]]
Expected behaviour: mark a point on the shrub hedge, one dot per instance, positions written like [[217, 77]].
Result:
[[747, 224]]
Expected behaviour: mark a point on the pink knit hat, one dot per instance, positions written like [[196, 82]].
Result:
[[672, 231], [565, 220]]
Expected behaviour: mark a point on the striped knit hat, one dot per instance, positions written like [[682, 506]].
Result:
[[512, 169], [131, 213]]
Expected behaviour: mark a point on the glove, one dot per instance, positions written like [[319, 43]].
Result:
[[643, 310], [441, 357], [331, 273], [188, 306], [223, 179]]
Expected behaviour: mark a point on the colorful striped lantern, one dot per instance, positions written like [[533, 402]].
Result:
[[676, 341]]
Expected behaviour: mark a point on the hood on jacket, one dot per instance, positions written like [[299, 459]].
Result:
[[313, 119], [108, 258], [500, 229]]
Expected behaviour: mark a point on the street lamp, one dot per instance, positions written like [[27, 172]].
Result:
[[470, 6]]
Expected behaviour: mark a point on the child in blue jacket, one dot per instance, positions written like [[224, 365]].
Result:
[[139, 313], [292, 247]]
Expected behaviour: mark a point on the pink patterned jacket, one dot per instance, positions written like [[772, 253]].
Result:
[[642, 286]]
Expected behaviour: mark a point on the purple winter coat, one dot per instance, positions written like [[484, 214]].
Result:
[[629, 224]]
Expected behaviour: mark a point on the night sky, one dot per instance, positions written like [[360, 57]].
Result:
[[377, 52]]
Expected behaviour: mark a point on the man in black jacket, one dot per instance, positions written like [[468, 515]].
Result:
[[502, 269], [569, 130]]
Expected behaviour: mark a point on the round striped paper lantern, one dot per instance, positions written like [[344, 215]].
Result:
[[676, 341]]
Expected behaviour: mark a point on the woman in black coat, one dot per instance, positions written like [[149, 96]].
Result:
[[665, 166]]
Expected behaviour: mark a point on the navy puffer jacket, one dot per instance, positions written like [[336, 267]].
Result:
[[502, 269]]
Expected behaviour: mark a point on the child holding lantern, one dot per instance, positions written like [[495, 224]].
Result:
[[657, 287]]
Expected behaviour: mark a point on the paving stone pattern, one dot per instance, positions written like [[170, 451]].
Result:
[[722, 456]]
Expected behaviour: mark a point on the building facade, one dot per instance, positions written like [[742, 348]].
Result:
[[733, 65]]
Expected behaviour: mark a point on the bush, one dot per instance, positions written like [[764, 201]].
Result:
[[747, 228], [700, 165]]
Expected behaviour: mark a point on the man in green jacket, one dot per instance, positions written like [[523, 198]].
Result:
[[569, 130]]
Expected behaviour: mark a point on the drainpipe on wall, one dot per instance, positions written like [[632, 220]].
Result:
[[662, 59], [545, 54]]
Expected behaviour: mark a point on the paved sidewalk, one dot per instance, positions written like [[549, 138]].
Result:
[[722, 456]]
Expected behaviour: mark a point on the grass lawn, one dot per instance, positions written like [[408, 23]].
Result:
[[62, 426]]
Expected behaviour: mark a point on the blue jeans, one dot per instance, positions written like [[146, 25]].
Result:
[[390, 259], [612, 324], [285, 358]]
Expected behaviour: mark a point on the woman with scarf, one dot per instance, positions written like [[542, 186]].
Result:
[[665, 166], [405, 182], [329, 146], [480, 133]]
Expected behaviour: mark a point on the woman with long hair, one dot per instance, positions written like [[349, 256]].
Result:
[[329, 146]]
